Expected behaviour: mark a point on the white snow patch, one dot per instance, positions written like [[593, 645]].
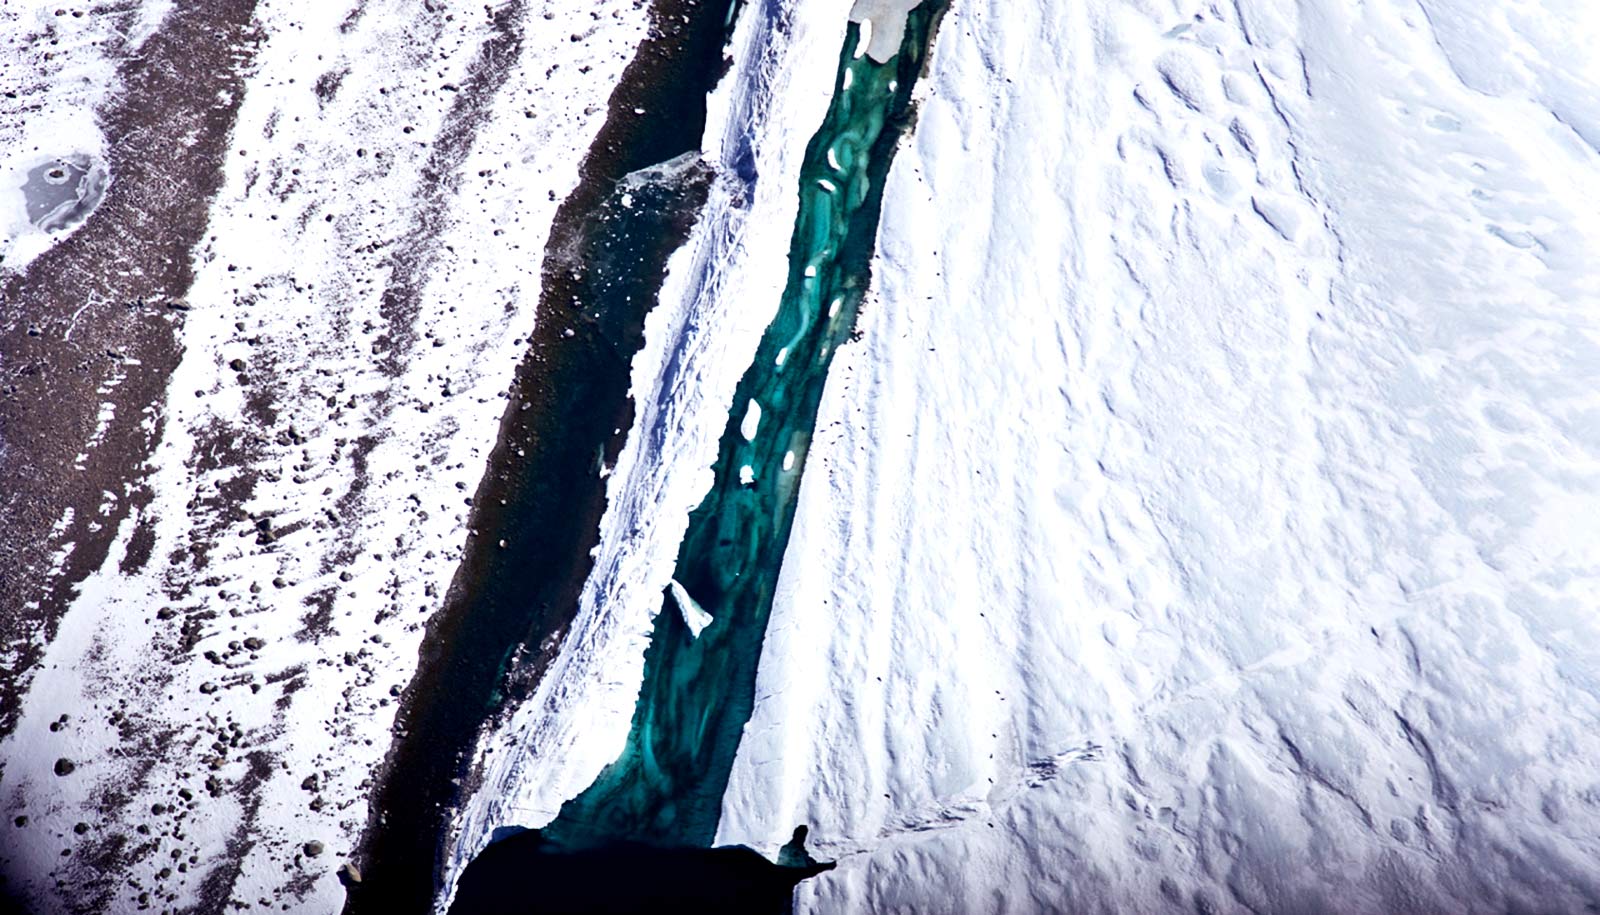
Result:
[[883, 26]]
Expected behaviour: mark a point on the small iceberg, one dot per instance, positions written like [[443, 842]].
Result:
[[694, 616]]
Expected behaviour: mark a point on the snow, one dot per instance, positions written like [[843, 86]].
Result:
[[883, 26], [751, 421], [64, 72]]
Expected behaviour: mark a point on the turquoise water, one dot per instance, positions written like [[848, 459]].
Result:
[[666, 788]]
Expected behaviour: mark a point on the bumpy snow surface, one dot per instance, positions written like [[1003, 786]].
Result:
[[1206, 518], [1208, 515]]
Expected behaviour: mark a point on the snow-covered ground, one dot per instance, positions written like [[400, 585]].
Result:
[[367, 273], [1206, 518]]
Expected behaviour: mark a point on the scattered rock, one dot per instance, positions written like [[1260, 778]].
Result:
[[80, 828], [21, 821], [313, 848], [255, 644], [236, 364], [64, 766], [311, 783], [166, 613], [349, 874]]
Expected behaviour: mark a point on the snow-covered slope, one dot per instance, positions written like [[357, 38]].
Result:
[[1205, 518]]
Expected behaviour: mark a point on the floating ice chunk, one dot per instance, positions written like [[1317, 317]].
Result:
[[752, 419], [788, 460], [865, 39], [747, 475], [782, 355], [827, 185], [848, 81], [694, 615], [833, 307], [833, 160], [811, 270]]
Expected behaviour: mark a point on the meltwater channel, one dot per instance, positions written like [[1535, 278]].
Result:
[[653, 812]]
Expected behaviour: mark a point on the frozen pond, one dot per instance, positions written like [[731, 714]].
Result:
[[61, 192]]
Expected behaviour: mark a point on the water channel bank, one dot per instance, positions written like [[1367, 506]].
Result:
[[542, 494]]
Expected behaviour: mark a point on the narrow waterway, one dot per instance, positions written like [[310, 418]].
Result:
[[700, 669]]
